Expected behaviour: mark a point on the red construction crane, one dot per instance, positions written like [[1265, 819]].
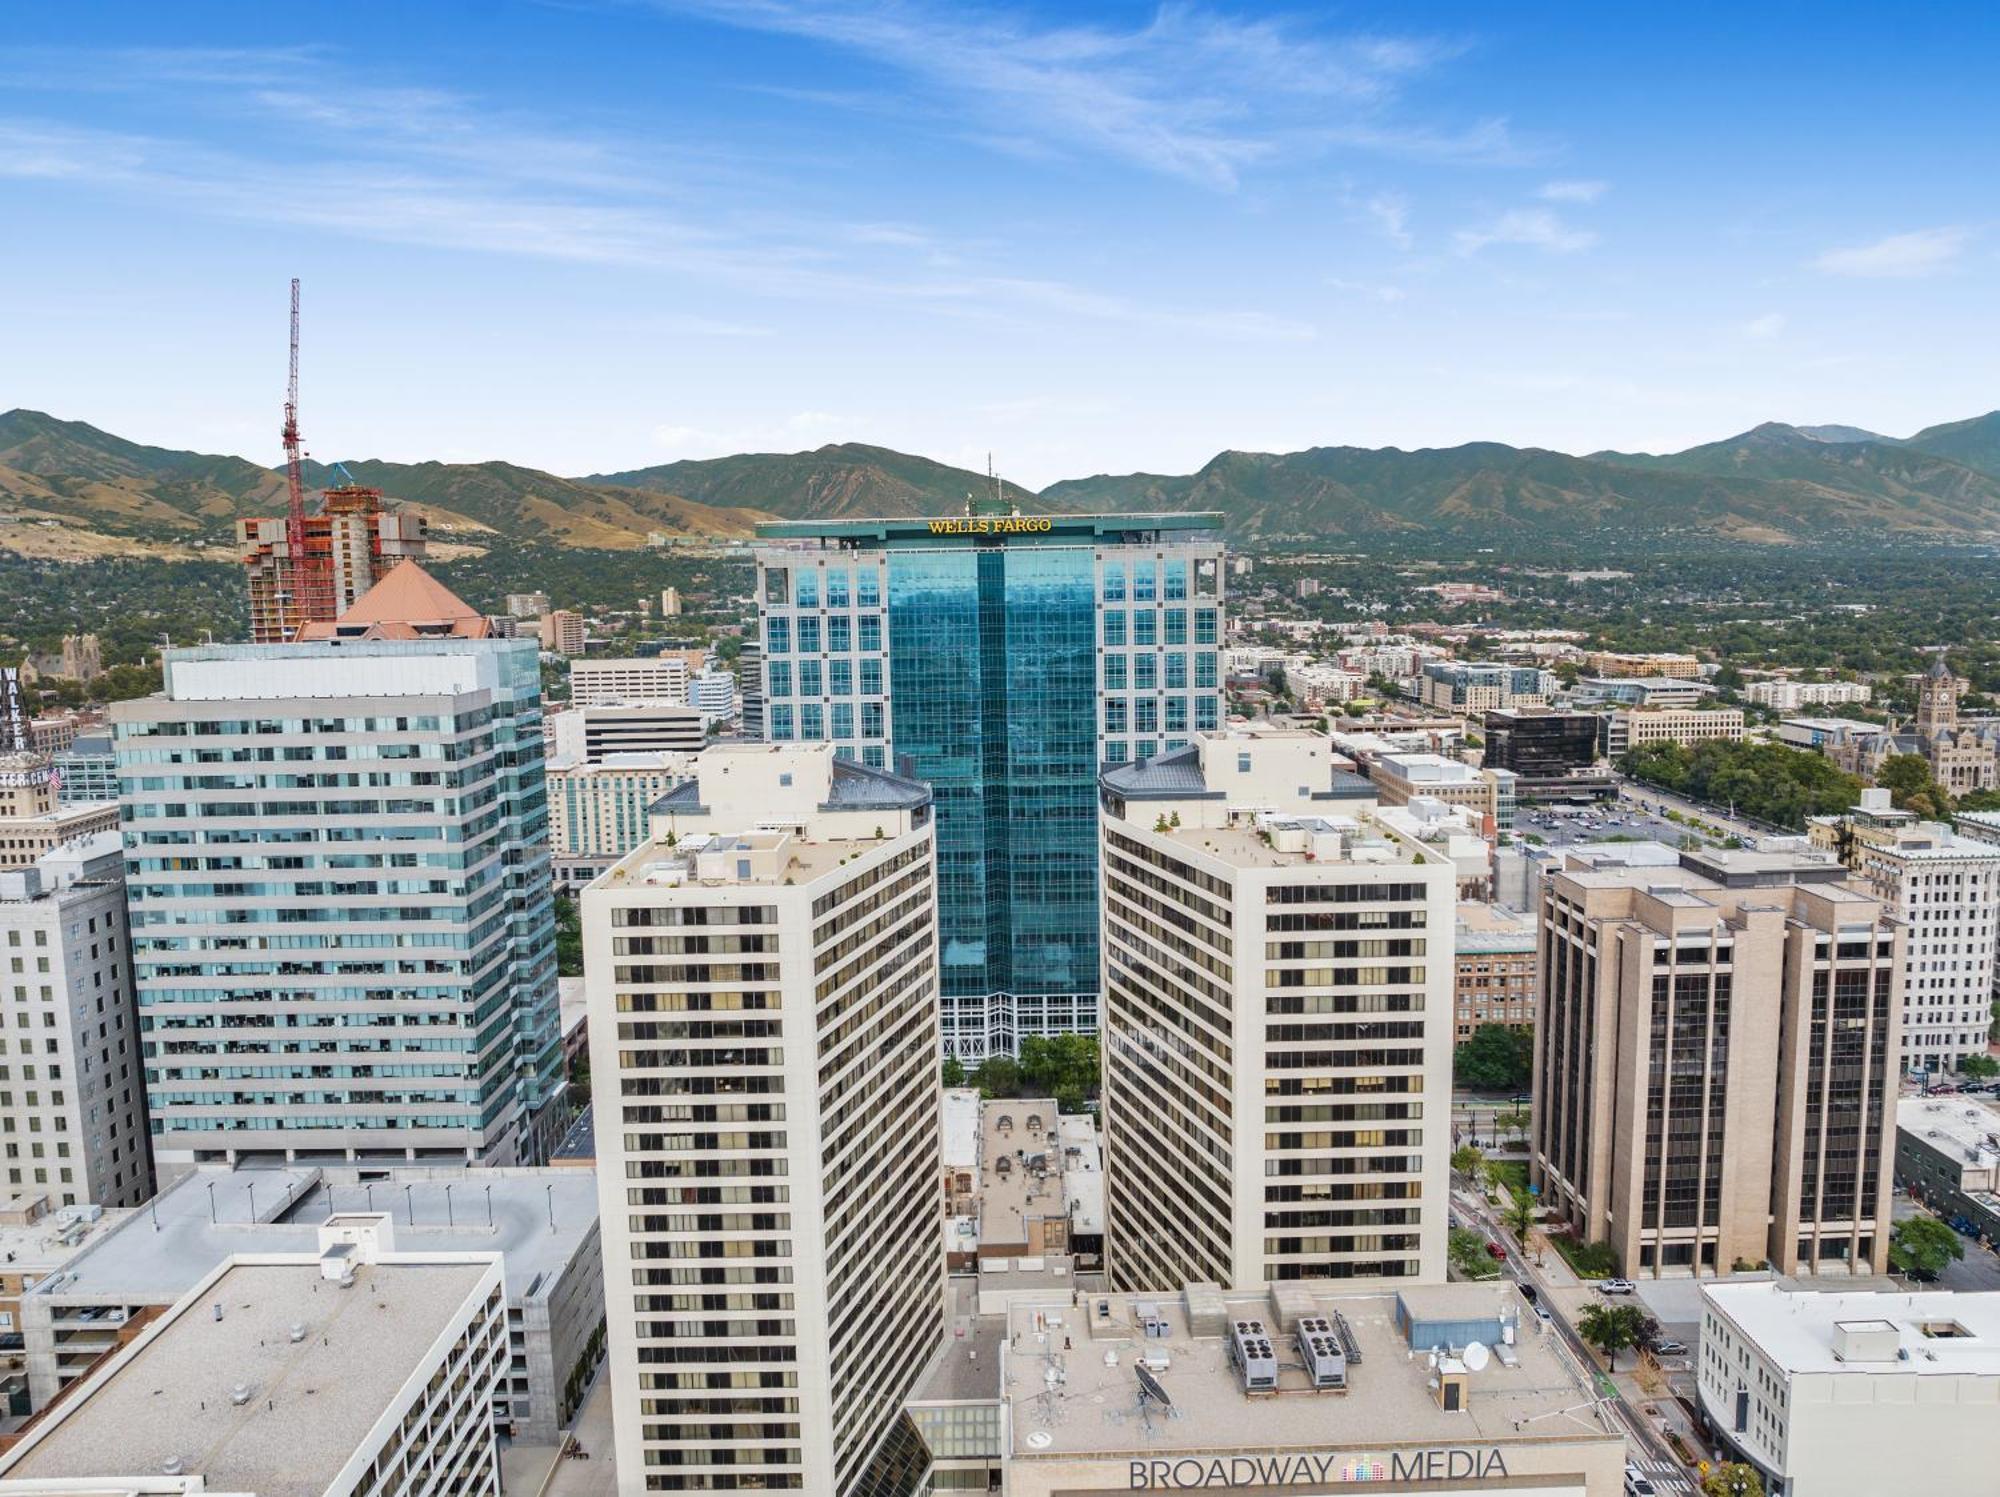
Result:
[[305, 582]]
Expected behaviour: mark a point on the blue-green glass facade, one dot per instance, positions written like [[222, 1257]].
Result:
[[993, 657]]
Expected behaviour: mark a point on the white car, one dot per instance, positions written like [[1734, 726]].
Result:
[[1637, 1484], [1616, 1286]]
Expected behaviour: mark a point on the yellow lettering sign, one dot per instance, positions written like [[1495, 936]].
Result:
[[993, 525]]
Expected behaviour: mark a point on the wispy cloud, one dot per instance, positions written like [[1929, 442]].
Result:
[[1189, 93], [1764, 329], [1535, 227], [1921, 252], [1573, 191], [1371, 290], [1391, 213]]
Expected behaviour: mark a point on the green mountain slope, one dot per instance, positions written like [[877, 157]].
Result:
[[1975, 443], [845, 480]]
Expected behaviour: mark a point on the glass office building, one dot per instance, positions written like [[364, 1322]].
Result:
[[1002, 659]]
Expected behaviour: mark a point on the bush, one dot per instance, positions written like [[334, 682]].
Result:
[[1587, 1260]]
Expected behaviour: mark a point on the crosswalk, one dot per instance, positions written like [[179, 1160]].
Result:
[[1667, 1476]]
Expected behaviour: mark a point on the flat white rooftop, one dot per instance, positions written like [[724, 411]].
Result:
[[1965, 1126], [311, 1405], [1940, 1331]]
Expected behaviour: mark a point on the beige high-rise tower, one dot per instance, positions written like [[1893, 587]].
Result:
[[1716, 1062]]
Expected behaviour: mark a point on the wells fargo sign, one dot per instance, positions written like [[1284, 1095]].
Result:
[[1195, 1473], [993, 525]]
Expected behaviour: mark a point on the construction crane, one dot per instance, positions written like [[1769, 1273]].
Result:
[[308, 590]]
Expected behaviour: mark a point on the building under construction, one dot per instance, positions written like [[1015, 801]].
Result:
[[305, 569], [349, 546]]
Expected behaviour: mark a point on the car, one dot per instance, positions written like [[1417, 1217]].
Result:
[[1616, 1286], [1670, 1348], [1637, 1483], [1494, 1250], [1528, 1292]]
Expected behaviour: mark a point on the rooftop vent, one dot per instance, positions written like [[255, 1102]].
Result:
[[1250, 1349], [297, 1332], [239, 1394], [1326, 1363]]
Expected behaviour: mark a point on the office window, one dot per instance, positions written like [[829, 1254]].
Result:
[[1144, 586], [871, 720], [1176, 670], [1115, 751], [873, 756], [776, 585], [840, 678], [808, 635], [1204, 668], [1176, 576], [1204, 714], [871, 678], [871, 628], [1145, 748], [781, 723], [836, 587], [1114, 714], [1146, 627], [1176, 626], [812, 722], [777, 679], [1243, 763], [840, 634], [1146, 716], [809, 678], [1177, 714], [777, 635], [1114, 628], [843, 719], [805, 588], [1204, 626], [868, 588], [1145, 672], [1114, 582], [1114, 672]]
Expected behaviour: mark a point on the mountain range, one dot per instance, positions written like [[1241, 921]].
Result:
[[1774, 482]]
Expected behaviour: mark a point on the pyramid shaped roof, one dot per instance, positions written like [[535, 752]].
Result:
[[406, 603]]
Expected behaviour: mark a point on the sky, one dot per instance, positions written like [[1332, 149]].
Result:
[[596, 236]]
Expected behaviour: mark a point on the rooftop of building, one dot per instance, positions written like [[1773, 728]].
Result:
[[1484, 927], [1284, 841], [961, 1127], [1687, 887], [1429, 769], [967, 1366], [159, 1251], [1020, 1169], [1968, 1127], [170, 1401], [1928, 1333], [1177, 774], [1908, 837], [989, 527], [406, 602], [37, 1236], [1069, 1374], [1083, 1171], [850, 786]]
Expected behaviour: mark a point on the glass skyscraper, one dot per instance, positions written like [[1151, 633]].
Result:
[[1002, 659]]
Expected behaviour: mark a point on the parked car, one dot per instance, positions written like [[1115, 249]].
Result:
[[1495, 1251], [1965, 1225], [1615, 1286], [1637, 1483], [1670, 1348], [1529, 1292]]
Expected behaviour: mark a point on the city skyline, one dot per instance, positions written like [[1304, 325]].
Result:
[[1132, 240]]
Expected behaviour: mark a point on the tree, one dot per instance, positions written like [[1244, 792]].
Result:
[[999, 1076], [1732, 1479], [1468, 1254], [1519, 1215], [1515, 1120], [1496, 1058], [569, 937], [1611, 1328], [1912, 787], [1468, 1161], [954, 1072], [1980, 1067], [1063, 1066], [1924, 1247]]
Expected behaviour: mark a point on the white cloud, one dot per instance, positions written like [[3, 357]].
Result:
[[1536, 227], [1765, 328], [1572, 191], [1188, 92], [1386, 294], [1921, 252], [1391, 213]]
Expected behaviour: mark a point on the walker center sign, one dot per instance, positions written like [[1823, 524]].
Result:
[[1219, 1473]]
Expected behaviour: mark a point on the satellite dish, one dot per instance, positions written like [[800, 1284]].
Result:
[[1476, 1357], [1149, 1386]]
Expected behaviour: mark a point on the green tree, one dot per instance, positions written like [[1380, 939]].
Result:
[[1515, 1121], [1924, 1247], [1611, 1328], [954, 1071], [998, 1076], [1732, 1479], [1980, 1067], [1912, 787], [569, 937], [1468, 1254], [1518, 1216], [1496, 1058], [1468, 1161], [1063, 1066]]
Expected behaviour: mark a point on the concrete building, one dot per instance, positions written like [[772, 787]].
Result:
[[34, 820], [1638, 691], [762, 978], [593, 734], [670, 602], [562, 632], [1788, 696], [1435, 831], [1946, 889], [72, 1081], [82, 657], [354, 1369], [713, 693], [37, 1239], [527, 605], [750, 691], [1853, 1394], [1494, 968], [1948, 1156], [1612, 663], [1489, 794], [53, 732], [350, 545], [628, 681], [1316, 686], [87, 770], [1634, 727], [1001, 659], [1543, 747], [1472, 687], [343, 930], [1299, 1389], [1715, 1062], [542, 1223], [1276, 974], [601, 810]]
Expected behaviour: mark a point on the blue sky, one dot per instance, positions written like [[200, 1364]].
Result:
[[590, 236]]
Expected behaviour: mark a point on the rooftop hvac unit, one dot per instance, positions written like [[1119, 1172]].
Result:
[[1250, 1349], [1326, 1363], [1152, 1323]]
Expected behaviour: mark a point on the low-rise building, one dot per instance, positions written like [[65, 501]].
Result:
[[1788, 696], [713, 692], [599, 809], [1433, 829], [351, 1368], [1495, 967], [593, 734], [1851, 1394], [37, 1238], [1478, 687], [1613, 663], [1316, 686], [1638, 691], [628, 680], [88, 769], [33, 818], [541, 1223], [1448, 1389], [1634, 727], [1488, 793], [1948, 1156]]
